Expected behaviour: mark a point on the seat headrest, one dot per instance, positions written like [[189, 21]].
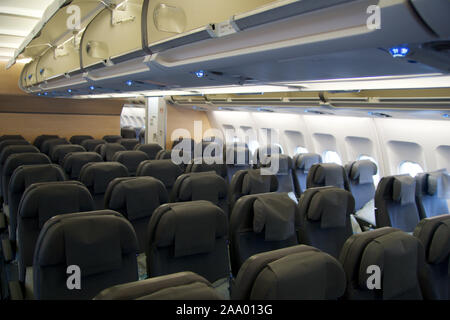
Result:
[[47, 144], [264, 153], [328, 174], [202, 186], [79, 139], [42, 201], [106, 236], [392, 252], [439, 248], [285, 163], [150, 149], [329, 205], [404, 189], [9, 150], [17, 159], [138, 197], [276, 214], [363, 171], [11, 137], [438, 184], [5, 143], [208, 164], [61, 150], [97, 175], [301, 276], [191, 227], [26, 175], [108, 150], [253, 182], [90, 144], [112, 138], [305, 161], [237, 156], [164, 170], [132, 158]]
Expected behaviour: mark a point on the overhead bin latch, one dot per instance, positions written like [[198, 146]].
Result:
[[121, 14], [223, 29]]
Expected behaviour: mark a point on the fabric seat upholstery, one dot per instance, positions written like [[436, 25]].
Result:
[[130, 159], [73, 162], [302, 164], [164, 170], [78, 139], [60, 151], [150, 149], [432, 192]]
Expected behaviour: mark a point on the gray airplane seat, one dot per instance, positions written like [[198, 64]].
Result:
[[432, 192], [302, 164], [327, 174], [73, 162], [112, 138], [108, 150], [42, 138], [283, 167], [236, 158], [164, 170], [78, 139], [151, 149], [49, 144], [130, 159], [129, 144], [60, 151], [91, 144]]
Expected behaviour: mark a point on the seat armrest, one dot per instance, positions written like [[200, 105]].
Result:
[[7, 250]]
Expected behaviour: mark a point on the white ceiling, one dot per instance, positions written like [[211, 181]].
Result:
[[20, 20]]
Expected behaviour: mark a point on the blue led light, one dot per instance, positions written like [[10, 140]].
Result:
[[39, 94], [129, 83], [92, 87], [45, 93], [370, 113], [69, 90], [194, 107], [220, 108], [399, 52], [259, 109], [200, 73], [446, 115]]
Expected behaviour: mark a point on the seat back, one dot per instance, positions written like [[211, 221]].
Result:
[[22, 178], [97, 175], [108, 150], [60, 151], [434, 234], [294, 273], [11, 137], [101, 243], [164, 170], [188, 236], [263, 154], [73, 162], [177, 286], [284, 166], [395, 203], [48, 145], [246, 182], [325, 218], [327, 174], [16, 160], [130, 159], [236, 158], [260, 223], [302, 164], [91, 144], [129, 144], [112, 138], [78, 139], [150, 149], [12, 142], [207, 165], [400, 261], [201, 186], [360, 177], [137, 199], [432, 193], [128, 133], [40, 202], [40, 139], [164, 155]]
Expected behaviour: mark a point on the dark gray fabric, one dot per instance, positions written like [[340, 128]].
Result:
[[391, 250], [48, 145], [91, 144], [137, 199], [129, 144], [300, 276], [434, 233], [404, 189], [112, 138], [201, 186], [13, 142], [40, 139], [150, 149], [302, 163], [39, 203], [60, 151], [220, 169], [363, 171], [73, 162], [164, 170], [164, 155], [16, 160], [287, 180], [389, 211], [22, 178], [105, 250], [108, 150], [130, 159], [177, 286], [128, 133], [188, 236], [428, 194], [97, 175], [237, 158], [264, 153], [259, 223], [11, 137], [79, 139], [325, 218], [327, 174]]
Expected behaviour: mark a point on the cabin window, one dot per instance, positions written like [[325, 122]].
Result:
[[331, 157], [300, 150], [409, 167], [376, 178]]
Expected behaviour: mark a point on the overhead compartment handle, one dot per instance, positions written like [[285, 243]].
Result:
[[144, 25]]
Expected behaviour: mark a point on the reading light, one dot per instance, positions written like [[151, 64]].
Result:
[[446, 115], [200, 73], [45, 93], [69, 90], [91, 87], [399, 52], [129, 83]]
